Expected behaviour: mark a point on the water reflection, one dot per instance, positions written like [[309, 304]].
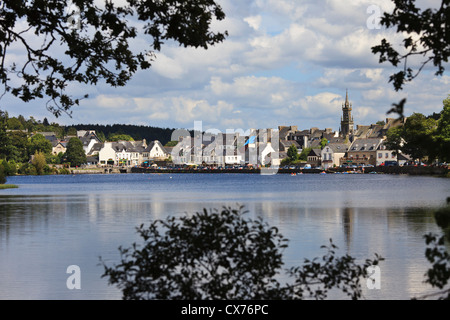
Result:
[[347, 224], [46, 227]]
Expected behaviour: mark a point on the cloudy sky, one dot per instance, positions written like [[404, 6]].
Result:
[[285, 62]]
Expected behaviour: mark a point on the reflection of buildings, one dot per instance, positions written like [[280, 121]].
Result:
[[348, 216]]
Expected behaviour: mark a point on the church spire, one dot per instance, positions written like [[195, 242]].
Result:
[[347, 125]]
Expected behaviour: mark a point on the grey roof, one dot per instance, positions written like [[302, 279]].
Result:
[[338, 147], [56, 142], [338, 140], [315, 153], [288, 143], [97, 146], [128, 146], [51, 138], [86, 139], [365, 145], [152, 145], [284, 131]]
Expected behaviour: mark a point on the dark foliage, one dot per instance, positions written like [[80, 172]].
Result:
[[75, 154], [96, 42], [439, 273], [2, 175], [427, 34], [222, 255], [149, 133]]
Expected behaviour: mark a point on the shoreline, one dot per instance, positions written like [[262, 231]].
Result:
[[408, 170], [8, 186]]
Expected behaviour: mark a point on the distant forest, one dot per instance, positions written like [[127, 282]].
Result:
[[104, 132], [136, 132]]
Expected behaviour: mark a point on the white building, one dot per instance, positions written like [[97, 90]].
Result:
[[332, 154], [383, 155], [131, 153]]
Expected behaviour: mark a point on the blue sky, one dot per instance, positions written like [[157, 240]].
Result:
[[285, 62]]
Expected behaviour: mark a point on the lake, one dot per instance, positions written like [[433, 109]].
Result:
[[52, 222]]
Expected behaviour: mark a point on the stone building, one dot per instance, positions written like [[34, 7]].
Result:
[[347, 123]]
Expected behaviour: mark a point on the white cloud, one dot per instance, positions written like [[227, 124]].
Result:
[[168, 67], [254, 21], [286, 62]]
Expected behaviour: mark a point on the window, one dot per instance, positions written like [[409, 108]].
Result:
[[387, 155], [380, 155]]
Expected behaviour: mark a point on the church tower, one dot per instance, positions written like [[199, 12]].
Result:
[[347, 124]]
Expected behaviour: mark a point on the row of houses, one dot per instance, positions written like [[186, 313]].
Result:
[[361, 152], [121, 153], [363, 145], [257, 147]]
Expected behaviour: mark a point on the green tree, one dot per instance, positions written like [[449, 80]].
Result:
[[96, 41], [418, 135], [15, 124], [9, 167], [394, 140], [20, 146], [120, 137], [292, 154], [71, 131], [2, 174], [443, 133], [224, 256], [101, 136], [5, 143], [171, 144], [304, 154], [75, 154], [39, 162], [22, 120], [39, 143], [323, 143]]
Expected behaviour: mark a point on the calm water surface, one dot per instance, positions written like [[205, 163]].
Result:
[[52, 222]]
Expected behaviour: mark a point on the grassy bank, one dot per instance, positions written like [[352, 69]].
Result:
[[8, 186]]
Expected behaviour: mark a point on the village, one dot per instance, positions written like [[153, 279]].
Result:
[[352, 146]]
